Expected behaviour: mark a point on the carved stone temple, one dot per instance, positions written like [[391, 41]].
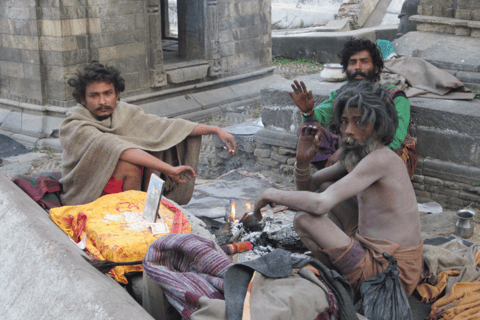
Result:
[[43, 43]]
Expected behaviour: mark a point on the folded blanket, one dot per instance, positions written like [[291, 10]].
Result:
[[115, 229], [44, 189]]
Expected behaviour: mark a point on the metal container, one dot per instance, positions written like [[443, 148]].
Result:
[[464, 225], [333, 72]]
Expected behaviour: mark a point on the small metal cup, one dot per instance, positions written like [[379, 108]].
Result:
[[464, 225]]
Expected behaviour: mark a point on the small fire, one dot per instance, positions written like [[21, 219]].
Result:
[[248, 205], [233, 212]]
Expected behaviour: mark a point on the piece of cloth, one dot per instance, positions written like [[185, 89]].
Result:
[[115, 228], [278, 265], [44, 189], [418, 78], [91, 149], [461, 303], [237, 247], [409, 155], [448, 264], [363, 259], [187, 267], [113, 186]]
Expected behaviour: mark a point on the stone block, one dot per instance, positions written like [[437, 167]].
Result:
[[437, 11], [54, 58], [462, 31], [244, 8], [259, 167], [268, 162], [29, 56], [3, 114], [418, 186], [131, 7], [31, 71], [475, 33], [114, 24], [291, 161], [73, 12], [101, 40], [75, 57], [468, 4], [433, 181], [32, 125], [248, 32], [249, 45], [262, 153], [21, 13], [19, 42], [139, 21], [468, 196], [50, 13], [423, 194], [24, 27], [463, 14], [49, 3], [122, 51], [12, 122], [226, 23], [287, 152], [55, 73], [58, 43], [227, 48], [26, 88], [11, 55], [11, 69], [53, 28], [127, 37], [279, 158], [187, 74]]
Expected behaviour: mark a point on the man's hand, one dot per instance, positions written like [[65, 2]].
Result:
[[176, 174], [302, 98], [262, 201], [228, 140], [334, 158], [309, 142]]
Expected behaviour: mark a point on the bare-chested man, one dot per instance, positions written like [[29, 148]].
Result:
[[353, 237]]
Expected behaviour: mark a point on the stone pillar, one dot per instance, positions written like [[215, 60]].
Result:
[[154, 44]]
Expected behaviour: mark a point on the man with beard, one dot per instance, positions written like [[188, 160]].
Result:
[[361, 60], [111, 146], [371, 207]]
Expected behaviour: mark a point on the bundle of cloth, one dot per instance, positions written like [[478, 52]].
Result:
[[202, 283], [453, 268]]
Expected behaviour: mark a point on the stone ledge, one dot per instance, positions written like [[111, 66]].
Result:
[[459, 27], [451, 171], [276, 138]]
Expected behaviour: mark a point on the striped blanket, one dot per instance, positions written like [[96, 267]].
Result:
[[187, 267]]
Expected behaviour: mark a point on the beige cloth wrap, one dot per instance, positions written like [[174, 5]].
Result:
[[92, 148]]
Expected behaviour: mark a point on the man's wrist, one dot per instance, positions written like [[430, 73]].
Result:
[[308, 114]]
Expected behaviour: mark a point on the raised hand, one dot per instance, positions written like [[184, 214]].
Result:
[[309, 142], [181, 174], [302, 98]]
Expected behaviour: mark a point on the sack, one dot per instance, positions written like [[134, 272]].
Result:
[[382, 297]]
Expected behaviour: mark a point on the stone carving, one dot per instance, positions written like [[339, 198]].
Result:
[[409, 8], [159, 78], [215, 69]]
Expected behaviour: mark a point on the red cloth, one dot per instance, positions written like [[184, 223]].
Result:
[[113, 186]]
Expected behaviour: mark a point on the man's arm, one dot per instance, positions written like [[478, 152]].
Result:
[[145, 159], [370, 169], [402, 104], [226, 138]]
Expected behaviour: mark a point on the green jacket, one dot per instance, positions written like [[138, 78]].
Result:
[[323, 114]]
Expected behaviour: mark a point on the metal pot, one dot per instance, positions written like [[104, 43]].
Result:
[[464, 225], [333, 72]]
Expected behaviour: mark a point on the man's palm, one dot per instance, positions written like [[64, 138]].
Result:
[[308, 143], [302, 98]]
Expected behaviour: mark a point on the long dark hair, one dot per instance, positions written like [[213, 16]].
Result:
[[95, 71], [354, 46], [378, 108]]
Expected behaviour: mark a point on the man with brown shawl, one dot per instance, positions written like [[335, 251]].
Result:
[[367, 204], [111, 146]]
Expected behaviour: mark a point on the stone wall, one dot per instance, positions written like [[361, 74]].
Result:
[[44, 42]]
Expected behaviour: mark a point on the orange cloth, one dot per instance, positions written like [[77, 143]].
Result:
[[114, 229], [462, 303], [430, 293], [409, 261]]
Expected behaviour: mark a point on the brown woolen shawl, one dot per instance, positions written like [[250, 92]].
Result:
[[92, 148]]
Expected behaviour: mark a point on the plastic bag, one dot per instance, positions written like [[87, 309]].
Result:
[[382, 296]]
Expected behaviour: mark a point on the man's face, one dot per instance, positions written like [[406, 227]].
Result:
[[358, 140], [360, 67], [100, 99]]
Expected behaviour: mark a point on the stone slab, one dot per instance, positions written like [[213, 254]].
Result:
[[451, 171], [40, 265], [172, 107], [10, 148], [252, 88], [27, 157], [442, 50], [324, 46], [215, 97]]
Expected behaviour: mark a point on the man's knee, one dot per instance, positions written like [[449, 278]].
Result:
[[126, 169], [302, 222], [325, 185]]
